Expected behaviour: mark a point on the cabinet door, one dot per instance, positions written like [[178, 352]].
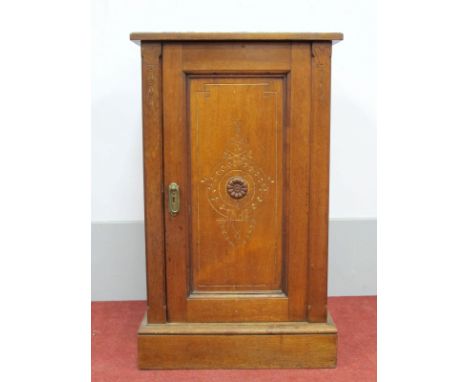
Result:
[[236, 142]]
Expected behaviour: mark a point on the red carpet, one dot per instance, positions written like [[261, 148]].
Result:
[[114, 358]]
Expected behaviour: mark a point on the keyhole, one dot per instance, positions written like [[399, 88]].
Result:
[[173, 199]]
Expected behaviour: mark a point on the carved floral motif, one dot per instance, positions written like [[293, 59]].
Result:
[[236, 189]]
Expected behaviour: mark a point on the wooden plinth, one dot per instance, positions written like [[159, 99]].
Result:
[[237, 346]]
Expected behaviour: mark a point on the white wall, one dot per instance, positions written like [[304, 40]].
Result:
[[117, 173], [118, 262]]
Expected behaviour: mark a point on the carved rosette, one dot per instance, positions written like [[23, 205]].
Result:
[[237, 187], [235, 190]]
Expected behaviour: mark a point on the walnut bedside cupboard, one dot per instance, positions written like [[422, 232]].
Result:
[[236, 132]]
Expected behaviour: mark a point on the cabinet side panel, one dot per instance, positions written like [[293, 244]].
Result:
[[153, 179], [319, 186]]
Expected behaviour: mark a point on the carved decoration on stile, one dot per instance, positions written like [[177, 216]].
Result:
[[321, 55], [236, 190], [151, 58], [150, 76]]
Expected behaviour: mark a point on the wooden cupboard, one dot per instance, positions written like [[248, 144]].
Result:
[[236, 158]]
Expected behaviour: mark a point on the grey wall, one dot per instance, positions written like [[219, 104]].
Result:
[[118, 259]]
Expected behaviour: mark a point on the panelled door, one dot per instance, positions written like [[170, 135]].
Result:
[[236, 133]]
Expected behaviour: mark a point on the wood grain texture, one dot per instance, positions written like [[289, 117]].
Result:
[[297, 192], [207, 36], [243, 345], [176, 170], [238, 278], [215, 243], [237, 128], [239, 328], [153, 180], [181, 237], [319, 181], [246, 309], [249, 351], [241, 57]]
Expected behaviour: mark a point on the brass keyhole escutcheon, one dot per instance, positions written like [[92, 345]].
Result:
[[237, 187], [174, 199]]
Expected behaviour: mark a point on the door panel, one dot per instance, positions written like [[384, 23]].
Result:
[[236, 142], [237, 250]]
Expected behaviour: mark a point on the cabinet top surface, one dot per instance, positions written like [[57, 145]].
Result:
[[244, 36]]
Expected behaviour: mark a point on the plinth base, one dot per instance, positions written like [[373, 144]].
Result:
[[237, 345]]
